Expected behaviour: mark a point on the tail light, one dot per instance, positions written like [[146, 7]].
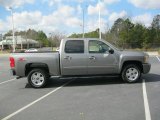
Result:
[[12, 62]]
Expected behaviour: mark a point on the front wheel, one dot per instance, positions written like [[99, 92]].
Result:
[[131, 73], [37, 78]]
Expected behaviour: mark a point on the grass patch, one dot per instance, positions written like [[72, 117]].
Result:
[[5, 52], [54, 48]]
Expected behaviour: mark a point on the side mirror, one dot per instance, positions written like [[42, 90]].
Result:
[[111, 51]]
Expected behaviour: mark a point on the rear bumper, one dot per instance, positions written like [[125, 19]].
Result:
[[12, 72], [146, 68]]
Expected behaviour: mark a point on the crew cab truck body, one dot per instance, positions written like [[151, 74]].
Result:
[[79, 57]]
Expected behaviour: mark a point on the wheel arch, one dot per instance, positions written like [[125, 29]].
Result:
[[138, 63], [31, 66]]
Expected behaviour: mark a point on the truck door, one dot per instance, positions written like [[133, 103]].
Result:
[[100, 61], [73, 58]]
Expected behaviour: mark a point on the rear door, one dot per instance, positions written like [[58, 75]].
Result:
[[73, 58]]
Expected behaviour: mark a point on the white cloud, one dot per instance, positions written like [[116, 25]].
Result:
[[79, 9], [52, 2], [55, 2], [64, 10], [110, 1], [116, 15], [80, 1], [15, 3], [73, 22], [93, 24], [62, 18], [147, 4], [26, 18], [94, 10], [4, 26], [145, 19], [59, 17]]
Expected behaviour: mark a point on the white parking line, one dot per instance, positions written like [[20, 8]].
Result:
[[146, 104], [158, 58], [8, 81], [34, 102]]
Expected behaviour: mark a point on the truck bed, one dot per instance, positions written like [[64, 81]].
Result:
[[51, 59]]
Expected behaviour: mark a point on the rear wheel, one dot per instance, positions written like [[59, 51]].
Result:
[[37, 78], [131, 73]]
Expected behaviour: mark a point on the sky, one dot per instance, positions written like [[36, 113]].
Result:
[[67, 15]]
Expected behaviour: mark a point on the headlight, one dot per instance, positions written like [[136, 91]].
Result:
[[146, 57]]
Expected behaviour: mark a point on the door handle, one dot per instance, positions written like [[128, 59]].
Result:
[[92, 58], [67, 58]]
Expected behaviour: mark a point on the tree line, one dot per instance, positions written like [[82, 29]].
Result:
[[126, 34], [52, 40], [123, 33]]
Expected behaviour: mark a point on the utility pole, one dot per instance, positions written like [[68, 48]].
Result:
[[2, 44], [100, 36], [21, 43], [13, 39], [83, 22]]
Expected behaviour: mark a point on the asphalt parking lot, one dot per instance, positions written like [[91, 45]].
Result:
[[81, 99]]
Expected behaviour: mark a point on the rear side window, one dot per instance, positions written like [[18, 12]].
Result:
[[74, 46]]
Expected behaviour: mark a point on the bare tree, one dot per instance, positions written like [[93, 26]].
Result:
[[56, 37]]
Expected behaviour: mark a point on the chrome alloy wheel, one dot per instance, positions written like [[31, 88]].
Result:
[[37, 78], [132, 74]]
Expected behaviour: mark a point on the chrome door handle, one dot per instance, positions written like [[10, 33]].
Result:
[[67, 58], [92, 58]]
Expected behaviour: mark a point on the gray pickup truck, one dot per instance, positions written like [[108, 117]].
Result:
[[80, 57]]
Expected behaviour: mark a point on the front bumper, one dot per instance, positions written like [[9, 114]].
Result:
[[146, 67], [12, 72]]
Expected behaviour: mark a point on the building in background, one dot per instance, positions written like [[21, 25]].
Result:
[[20, 41]]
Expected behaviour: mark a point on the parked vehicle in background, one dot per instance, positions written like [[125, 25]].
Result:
[[80, 57], [45, 49], [31, 50], [57, 49]]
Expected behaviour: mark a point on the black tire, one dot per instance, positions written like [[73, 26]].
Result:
[[131, 73], [33, 79]]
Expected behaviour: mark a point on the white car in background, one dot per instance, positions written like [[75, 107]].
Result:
[[57, 49], [31, 50]]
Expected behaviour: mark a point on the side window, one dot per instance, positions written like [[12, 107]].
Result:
[[74, 46], [97, 47]]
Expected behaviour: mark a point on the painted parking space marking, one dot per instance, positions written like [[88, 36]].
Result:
[[158, 58], [4, 71], [34, 102], [8, 81], [146, 104]]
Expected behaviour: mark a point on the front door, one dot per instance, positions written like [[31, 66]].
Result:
[[100, 61], [73, 58]]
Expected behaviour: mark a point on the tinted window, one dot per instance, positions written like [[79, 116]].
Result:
[[74, 46], [97, 47]]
